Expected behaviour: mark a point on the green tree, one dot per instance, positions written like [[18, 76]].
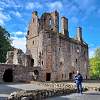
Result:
[[97, 53], [5, 44], [95, 65]]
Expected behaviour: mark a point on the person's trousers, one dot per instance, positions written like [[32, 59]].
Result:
[[79, 87]]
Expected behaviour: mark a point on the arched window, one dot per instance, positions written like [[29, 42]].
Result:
[[32, 62], [33, 20], [42, 62], [28, 32], [76, 61], [33, 41], [50, 23]]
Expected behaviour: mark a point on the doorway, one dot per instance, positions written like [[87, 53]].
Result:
[[36, 74], [70, 76], [32, 62], [8, 75], [48, 76]]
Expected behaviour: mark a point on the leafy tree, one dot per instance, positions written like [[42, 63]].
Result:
[[5, 44], [97, 53], [95, 65]]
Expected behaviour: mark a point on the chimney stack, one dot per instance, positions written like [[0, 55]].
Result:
[[79, 34], [64, 24]]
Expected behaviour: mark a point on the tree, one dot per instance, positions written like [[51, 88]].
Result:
[[97, 53], [5, 44], [95, 65]]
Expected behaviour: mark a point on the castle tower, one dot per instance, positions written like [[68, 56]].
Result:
[[50, 21], [64, 24], [55, 17], [79, 34], [33, 26], [32, 38]]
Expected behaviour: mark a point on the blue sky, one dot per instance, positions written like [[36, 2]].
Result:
[[15, 16]]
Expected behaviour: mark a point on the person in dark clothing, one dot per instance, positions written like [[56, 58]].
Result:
[[78, 81]]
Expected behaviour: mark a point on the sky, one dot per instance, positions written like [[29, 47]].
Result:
[[15, 16]]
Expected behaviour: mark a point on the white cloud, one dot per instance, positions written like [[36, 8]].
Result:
[[18, 14], [19, 43], [4, 17], [32, 5], [18, 34], [9, 3], [57, 5], [19, 40], [91, 52]]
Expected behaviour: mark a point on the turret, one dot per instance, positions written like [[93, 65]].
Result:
[[64, 25]]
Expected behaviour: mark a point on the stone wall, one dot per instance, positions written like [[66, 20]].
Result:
[[57, 54], [18, 73], [53, 89]]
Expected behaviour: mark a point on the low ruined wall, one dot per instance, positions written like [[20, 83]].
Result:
[[39, 94], [51, 90], [20, 73], [43, 94]]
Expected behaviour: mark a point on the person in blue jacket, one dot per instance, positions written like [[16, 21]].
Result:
[[78, 81]]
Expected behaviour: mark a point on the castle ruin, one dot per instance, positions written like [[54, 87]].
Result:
[[51, 55], [55, 55]]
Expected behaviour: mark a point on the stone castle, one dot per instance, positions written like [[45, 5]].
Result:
[[52, 55]]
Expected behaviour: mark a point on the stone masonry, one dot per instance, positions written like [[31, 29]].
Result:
[[15, 73], [55, 56], [50, 55]]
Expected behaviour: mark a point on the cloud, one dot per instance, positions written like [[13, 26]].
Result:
[[91, 52], [18, 34], [19, 43], [78, 8], [32, 5], [57, 5], [9, 4], [88, 12], [19, 40], [16, 13], [1, 9], [83, 4], [4, 18]]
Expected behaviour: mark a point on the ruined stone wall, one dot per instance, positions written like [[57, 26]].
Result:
[[56, 53], [18, 57], [79, 57], [20, 73], [65, 60]]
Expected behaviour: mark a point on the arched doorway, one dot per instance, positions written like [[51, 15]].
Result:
[[70, 76], [8, 75], [36, 74]]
